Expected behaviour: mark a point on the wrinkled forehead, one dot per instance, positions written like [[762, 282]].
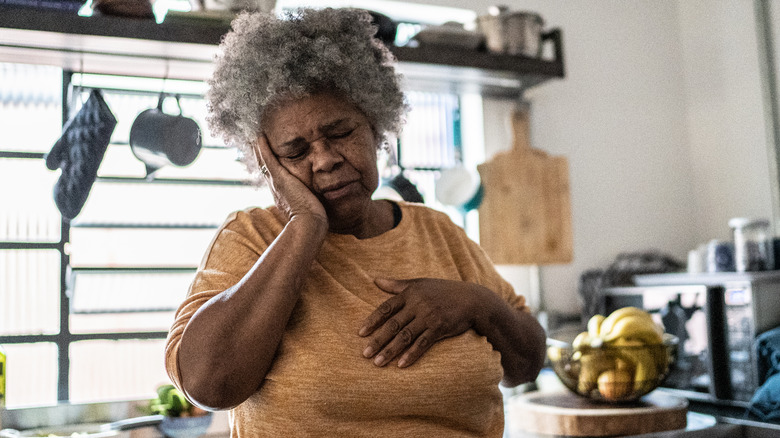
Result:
[[312, 111]]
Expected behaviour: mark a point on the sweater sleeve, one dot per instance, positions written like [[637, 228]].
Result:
[[489, 277], [233, 251], [476, 266]]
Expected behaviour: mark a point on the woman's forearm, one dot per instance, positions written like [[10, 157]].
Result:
[[229, 344], [516, 334]]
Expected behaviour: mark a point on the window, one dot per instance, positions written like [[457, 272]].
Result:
[[85, 306], [88, 304], [30, 121]]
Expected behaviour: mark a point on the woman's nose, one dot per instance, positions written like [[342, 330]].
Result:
[[324, 156]]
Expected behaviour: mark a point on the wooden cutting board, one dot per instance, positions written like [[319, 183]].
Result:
[[567, 414], [525, 215]]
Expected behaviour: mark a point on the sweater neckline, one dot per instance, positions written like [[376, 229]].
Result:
[[389, 235]]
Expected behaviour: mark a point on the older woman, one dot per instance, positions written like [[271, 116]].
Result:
[[332, 313]]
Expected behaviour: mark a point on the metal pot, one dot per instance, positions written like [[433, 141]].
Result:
[[125, 8], [159, 139], [386, 27], [239, 5], [513, 33]]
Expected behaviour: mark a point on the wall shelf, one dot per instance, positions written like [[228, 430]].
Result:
[[184, 47]]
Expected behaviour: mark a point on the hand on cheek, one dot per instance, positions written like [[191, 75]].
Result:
[[290, 194]]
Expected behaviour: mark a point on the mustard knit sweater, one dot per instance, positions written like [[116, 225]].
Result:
[[320, 384]]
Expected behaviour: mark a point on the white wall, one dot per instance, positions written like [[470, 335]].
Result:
[[769, 41], [726, 126], [660, 116]]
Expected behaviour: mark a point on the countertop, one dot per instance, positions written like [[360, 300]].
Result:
[[97, 413], [705, 420]]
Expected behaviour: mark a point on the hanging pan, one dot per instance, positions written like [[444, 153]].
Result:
[[159, 139]]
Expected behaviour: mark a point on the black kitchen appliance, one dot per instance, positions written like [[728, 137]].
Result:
[[717, 317]]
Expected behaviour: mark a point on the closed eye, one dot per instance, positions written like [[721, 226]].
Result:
[[299, 148], [296, 156], [296, 152], [343, 134]]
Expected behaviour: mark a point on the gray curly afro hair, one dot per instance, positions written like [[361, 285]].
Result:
[[265, 61]]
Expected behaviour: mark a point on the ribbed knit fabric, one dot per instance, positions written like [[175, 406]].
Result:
[[320, 384]]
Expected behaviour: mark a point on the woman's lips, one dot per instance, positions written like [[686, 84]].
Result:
[[339, 191]]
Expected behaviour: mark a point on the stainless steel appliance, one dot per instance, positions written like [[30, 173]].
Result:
[[717, 317]]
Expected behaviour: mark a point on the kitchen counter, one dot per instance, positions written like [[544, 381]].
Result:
[[100, 413], [704, 420]]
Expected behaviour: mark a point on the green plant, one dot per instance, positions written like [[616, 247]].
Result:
[[171, 403]]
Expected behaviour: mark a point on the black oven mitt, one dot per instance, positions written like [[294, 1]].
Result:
[[79, 152]]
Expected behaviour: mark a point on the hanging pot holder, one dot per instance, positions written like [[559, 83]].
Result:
[[79, 152]]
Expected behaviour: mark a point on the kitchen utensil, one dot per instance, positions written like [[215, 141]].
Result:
[[86, 430], [512, 32], [404, 188], [450, 34], [185, 427], [525, 215], [159, 139], [386, 27], [753, 250], [124, 8], [566, 414], [459, 187], [720, 256], [239, 5], [79, 152], [72, 6]]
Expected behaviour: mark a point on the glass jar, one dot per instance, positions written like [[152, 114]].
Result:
[[720, 256], [753, 249]]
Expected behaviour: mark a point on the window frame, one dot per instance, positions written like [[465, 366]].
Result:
[[64, 338]]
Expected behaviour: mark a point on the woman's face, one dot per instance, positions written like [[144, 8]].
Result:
[[328, 144]]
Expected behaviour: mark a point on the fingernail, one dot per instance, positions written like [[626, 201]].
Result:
[[363, 331], [379, 360], [368, 352], [402, 362]]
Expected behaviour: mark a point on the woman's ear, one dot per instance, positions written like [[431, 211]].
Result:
[[385, 141]]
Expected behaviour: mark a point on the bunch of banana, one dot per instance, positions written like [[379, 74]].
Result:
[[616, 373]]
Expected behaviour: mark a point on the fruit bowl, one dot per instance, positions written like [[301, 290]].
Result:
[[616, 366]]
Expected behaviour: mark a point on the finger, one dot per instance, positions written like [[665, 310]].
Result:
[[400, 342], [378, 317], [391, 338], [391, 285], [420, 346], [257, 149], [266, 156]]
